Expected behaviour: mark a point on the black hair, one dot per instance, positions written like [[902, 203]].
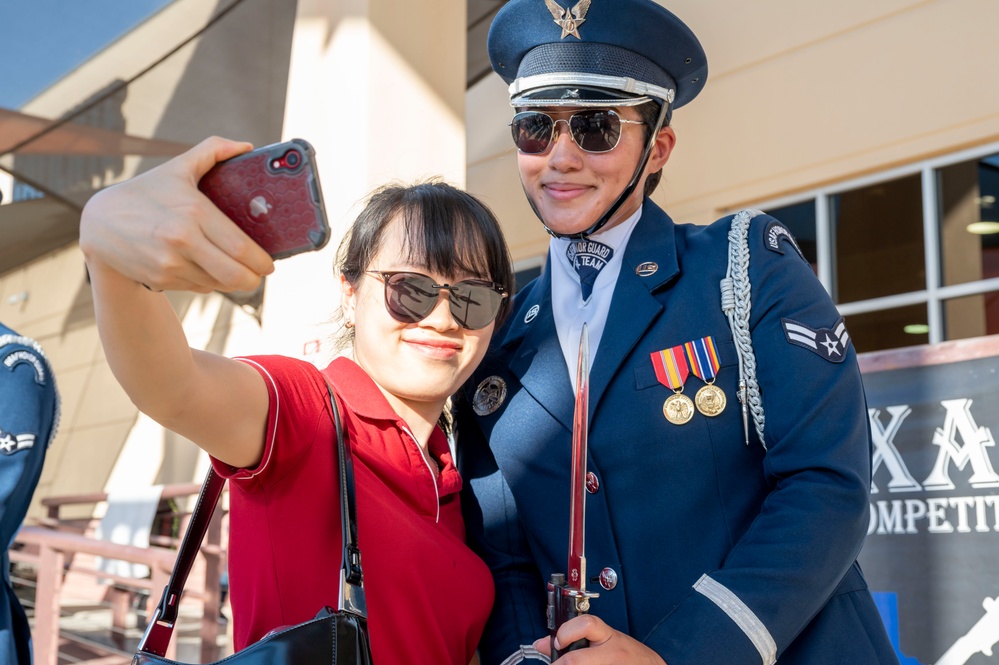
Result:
[[649, 114], [448, 231]]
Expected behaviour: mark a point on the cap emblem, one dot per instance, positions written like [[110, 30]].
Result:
[[569, 19]]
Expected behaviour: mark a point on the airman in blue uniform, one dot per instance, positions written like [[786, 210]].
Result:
[[729, 449], [29, 414]]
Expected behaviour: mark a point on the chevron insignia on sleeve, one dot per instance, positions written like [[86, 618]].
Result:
[[828, 343], [11, 443]]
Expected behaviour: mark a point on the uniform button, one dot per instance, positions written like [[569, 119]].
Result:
[[608, 578], [592, 483]]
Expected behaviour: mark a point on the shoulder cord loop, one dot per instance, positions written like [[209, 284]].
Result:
[[736, 303]]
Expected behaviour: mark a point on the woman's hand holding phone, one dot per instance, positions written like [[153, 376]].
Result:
[[159, 230], [273, 194]]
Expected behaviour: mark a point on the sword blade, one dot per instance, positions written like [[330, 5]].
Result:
[[577, 503]]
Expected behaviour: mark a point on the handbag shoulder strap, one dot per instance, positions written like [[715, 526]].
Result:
[[161, 625], [351, 576]]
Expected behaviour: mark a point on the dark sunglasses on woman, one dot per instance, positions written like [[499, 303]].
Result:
[[593, 130], [411, 296]]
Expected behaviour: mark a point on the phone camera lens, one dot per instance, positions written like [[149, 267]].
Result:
[[292, 159]]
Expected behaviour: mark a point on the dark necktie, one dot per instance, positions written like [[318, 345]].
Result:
[[588, 257]]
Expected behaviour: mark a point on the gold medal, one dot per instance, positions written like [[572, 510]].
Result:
[[710, 400], [678, 409]]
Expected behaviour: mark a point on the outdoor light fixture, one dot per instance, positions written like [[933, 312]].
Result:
[[983, 228]]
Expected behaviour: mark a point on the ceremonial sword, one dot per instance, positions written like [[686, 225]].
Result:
[[567, 594]]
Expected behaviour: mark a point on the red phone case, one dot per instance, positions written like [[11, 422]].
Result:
[[272, 194]]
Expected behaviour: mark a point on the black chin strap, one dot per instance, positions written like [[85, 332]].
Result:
[[628, 190]]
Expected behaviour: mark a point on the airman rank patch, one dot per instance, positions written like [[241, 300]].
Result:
[[828, 343], [10, 444], [775, 234], [489, 396]]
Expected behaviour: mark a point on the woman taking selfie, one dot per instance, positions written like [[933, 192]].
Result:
[[423, 279]]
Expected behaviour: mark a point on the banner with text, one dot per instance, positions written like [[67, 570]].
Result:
[[932, 550]]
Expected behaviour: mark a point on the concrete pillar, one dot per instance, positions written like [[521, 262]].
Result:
[[378, 88]]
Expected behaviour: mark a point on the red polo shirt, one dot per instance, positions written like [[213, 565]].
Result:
[[428, 595]]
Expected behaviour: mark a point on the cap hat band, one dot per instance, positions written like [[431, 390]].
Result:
[[568, 79]]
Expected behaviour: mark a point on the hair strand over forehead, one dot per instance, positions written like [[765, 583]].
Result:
[[447, 231]]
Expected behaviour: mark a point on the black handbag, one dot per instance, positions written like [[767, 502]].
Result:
[[334, 637]]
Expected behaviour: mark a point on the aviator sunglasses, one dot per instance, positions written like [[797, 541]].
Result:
[[411, 296], [593, 130]]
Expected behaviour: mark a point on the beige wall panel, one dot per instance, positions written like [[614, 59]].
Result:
[[100, 398], [862, 100], [737, 34], [497, 184], [73, 350], [38, 300], [487, 117]]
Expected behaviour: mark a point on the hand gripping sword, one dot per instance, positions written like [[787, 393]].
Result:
[[567, 594]]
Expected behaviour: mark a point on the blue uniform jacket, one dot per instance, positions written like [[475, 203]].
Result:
[[29, 406], [725, 553]]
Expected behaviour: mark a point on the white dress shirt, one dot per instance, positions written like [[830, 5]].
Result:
[[569, 308]]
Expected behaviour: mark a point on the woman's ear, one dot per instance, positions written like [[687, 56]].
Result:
[[663, 148], [348, 299]]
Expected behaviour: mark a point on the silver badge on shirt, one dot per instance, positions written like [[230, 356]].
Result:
[[489, 396]]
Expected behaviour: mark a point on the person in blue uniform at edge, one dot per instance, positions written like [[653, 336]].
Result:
[[29, 415], [708, 543]]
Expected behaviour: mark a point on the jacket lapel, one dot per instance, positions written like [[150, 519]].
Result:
[[634, 308], [539, 364]]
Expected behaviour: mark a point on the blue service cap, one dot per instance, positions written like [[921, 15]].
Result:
[[591, 52]]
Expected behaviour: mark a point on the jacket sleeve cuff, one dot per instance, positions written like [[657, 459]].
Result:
[[712, 626]]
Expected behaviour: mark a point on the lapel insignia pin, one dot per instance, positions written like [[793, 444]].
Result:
[[569, 19], [647, 269], [489, 396], [532, 314]]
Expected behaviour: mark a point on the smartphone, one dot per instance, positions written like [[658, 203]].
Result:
[[273, 194]]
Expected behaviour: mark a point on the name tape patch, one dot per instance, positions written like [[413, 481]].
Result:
[[776, 235]]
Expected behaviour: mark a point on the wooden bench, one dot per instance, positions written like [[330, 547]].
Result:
[[51, 544]]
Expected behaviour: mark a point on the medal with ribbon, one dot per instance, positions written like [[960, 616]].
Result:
[[672, 371], [703, 358]]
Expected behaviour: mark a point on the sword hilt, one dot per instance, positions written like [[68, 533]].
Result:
[[564, 603]]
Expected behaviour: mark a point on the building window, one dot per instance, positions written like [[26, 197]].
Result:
[[910, 256], [889, 328], [969, 221], [878, 240]]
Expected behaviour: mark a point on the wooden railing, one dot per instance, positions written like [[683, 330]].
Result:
[[51, 546]]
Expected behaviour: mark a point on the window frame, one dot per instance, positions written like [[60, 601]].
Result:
[[934, 294]]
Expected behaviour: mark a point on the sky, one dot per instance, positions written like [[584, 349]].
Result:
[[43, 40]]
